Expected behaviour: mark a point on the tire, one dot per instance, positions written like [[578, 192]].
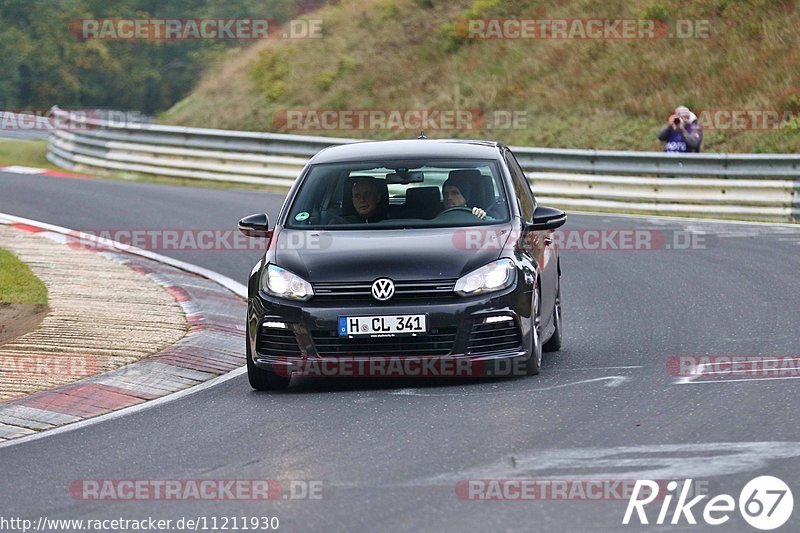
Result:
[[263, 380], [534, 363], [554, 343]]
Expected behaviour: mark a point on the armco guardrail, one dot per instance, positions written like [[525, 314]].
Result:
[[743, 186]]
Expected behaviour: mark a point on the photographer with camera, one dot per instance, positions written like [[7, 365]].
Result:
[[682, 133]]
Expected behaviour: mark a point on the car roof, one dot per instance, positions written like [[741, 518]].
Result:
[[409, 149]]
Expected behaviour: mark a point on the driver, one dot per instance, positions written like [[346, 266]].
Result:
[[456, 193]]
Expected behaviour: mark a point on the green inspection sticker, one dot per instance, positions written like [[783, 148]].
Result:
[[301, 216]]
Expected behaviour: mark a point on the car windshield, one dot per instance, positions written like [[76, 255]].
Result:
[[392, 194]]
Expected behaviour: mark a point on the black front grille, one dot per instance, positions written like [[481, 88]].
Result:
[[438, 342], [403, 290], [495, 337], [277, 342]]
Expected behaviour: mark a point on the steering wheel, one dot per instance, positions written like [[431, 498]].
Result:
[[452, 209]]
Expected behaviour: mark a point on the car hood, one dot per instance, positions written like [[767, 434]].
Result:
[[418, 254]]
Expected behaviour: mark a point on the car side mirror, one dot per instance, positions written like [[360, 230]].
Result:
[[545, 218], [256, 226]]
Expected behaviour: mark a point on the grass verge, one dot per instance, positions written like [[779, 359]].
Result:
[[18, 285], [26, 153]]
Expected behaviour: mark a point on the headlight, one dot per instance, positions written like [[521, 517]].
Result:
[[488, 278], [283, 284]]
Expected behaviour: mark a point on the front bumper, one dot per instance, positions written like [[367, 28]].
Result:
[[457, 330]]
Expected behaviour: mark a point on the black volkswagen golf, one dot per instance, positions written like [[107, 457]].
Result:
[[423, 251]]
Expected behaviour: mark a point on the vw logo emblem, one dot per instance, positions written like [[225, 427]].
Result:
[[382, 289]]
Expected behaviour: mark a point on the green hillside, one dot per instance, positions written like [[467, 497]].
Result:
[[575, 93]]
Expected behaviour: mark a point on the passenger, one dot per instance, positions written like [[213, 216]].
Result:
[[456, 192], [682, 133], [370, 201]]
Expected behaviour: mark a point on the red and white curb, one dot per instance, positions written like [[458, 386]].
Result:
[[210, 352]]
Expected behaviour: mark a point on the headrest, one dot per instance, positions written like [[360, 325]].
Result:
[[423, 202], [423, 194]]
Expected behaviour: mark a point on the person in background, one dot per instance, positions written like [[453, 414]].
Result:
[[682, 133]]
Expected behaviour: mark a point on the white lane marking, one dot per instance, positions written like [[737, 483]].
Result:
[[694, 374], [15, 169], [601, 368], [613, 381], [233, 286], [650, 461], [128, 410]]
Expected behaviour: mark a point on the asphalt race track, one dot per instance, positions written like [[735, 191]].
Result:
[[390, 453]]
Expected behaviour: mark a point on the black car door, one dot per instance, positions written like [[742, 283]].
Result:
[[539, 244]]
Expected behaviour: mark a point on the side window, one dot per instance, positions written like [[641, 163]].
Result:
[[521, 188]]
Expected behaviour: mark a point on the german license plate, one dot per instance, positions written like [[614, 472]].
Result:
[[383, 325]]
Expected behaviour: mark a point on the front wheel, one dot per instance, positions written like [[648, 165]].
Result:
[[534, 363], [263, 380], [554, 343]]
